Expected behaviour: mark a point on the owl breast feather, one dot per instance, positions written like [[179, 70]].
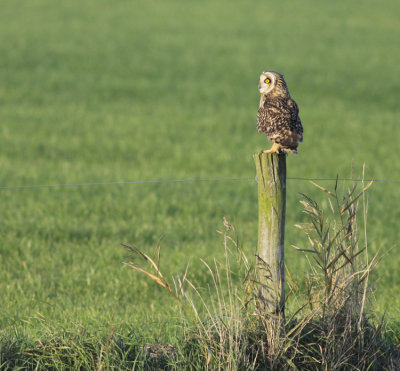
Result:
[[279, 119]]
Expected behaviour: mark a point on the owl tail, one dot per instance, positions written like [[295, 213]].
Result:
[[292, 150]]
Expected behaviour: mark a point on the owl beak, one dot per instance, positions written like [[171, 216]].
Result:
[[259, 86]]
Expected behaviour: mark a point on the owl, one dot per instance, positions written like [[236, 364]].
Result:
[[278, 114]]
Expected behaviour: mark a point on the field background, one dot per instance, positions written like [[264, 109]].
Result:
[[101, 91]]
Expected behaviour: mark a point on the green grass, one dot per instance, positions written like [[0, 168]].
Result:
[[100, 92]]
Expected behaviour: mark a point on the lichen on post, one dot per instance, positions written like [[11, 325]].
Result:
[[271, 177]]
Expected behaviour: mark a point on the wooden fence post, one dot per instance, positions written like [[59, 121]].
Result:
[[271, 177]]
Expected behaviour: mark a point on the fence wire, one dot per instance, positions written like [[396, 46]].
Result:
[[155, 181]]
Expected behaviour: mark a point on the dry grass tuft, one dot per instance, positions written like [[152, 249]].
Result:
[[227, 328]]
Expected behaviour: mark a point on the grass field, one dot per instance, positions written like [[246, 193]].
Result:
[[125, 91]]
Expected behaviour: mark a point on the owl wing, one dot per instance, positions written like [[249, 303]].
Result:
[[295, 122], [279, 120]]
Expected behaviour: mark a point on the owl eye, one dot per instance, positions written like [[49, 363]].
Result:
[[267, 80]]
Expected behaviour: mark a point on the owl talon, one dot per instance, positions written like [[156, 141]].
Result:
[[276, 148]]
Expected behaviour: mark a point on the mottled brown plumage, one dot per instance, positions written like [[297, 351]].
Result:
[[278, 114]]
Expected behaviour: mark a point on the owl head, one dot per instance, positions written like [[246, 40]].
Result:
[[272, 84]]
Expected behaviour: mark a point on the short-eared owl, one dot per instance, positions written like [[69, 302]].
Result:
[[278, 115]]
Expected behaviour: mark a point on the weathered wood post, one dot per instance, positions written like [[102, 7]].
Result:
[[271, 177]]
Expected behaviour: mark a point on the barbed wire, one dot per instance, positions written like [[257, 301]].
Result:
[[154, 181], [128, 182], [346, 179]]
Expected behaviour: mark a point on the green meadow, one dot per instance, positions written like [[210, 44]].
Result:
[[125, 91]]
